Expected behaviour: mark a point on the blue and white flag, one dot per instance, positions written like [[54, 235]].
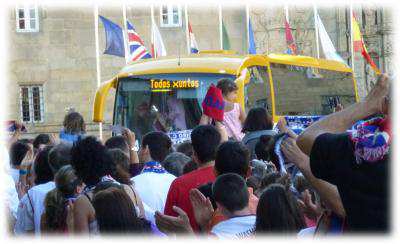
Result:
[[114, 38], [252, 44], [136, 47]]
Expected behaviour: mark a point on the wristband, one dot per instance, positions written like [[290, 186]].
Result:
[[23, 172]]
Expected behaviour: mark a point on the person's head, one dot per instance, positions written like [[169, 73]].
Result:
[[121, 161], [59, 156], [229, 89], [155, 146], [41, 139], [115, 212], [267, 180], [253, 182], [74, 123], [277, 211], [17, 153], [230, 193], [265, 150], [55, 203], [189, 167], [91, 160], [41, 168], [205, 140], [257, 119], [185, 148], [118, 142], [175, 162], [233, 157]]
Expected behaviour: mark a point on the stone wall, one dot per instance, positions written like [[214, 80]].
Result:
[[62, 55]]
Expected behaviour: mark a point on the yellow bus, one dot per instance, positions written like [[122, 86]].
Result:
[[166, 93]]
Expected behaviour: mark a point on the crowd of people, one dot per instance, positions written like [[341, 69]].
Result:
[[236, 178]]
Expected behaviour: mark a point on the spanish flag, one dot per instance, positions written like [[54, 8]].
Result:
[[359, 45]]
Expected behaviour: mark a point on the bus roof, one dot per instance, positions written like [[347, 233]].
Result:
[[199, 63], [220, 63]]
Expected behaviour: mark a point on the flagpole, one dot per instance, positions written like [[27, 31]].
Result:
[[98, 71], [248, 26], [125, 32], [187, 30], [287, 13], [152, 32], [220, 26], [351, 37], [316, 29]]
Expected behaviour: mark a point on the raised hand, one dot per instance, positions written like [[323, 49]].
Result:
[[375, 100], [292, 152], [202, 208], [173, 225], [312, 210]]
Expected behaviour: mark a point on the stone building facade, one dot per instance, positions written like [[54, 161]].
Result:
[[61, 56]]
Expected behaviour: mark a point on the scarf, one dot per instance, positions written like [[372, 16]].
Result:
[[299, 123], [153, 167], [371, 140], [106, 178]]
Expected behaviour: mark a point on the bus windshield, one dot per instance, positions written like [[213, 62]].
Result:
[[309, 91], [170, 103]]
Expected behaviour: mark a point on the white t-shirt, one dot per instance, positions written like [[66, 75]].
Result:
[[11, 196], [235, 228], [153, 188], [14, 174], [307, 232], [28, 219]]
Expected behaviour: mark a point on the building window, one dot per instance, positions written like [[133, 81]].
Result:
[[31, 103], [170, 15], [27, 19]]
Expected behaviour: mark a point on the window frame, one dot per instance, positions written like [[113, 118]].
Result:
[[27, 18], [31, 103], [170, 15]]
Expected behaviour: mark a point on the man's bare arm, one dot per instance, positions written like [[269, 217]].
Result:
[[340, 121]]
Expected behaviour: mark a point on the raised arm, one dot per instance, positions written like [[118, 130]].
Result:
[[328, 192], [340, 121]]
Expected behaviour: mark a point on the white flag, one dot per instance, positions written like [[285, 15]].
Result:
[[326, 43], [157, 43]]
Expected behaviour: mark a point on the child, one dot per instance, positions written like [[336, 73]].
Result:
[[232, 198], [234, 115]]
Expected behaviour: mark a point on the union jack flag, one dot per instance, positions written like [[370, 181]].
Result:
[[136, 47]]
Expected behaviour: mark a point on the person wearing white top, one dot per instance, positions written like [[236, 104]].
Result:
[[232, 198], [31, 206], [153, 188], [154, 181]]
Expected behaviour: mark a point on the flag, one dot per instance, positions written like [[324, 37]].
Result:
[[359, 45], [226, 45], [292, 49], [114, 38], [193, 44], [157, 44], [326, 43], [252, 44], [136, 48]]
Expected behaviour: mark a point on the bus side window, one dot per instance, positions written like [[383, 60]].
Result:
[[257, 91]]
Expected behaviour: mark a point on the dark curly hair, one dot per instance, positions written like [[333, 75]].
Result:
[[91, 160]]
